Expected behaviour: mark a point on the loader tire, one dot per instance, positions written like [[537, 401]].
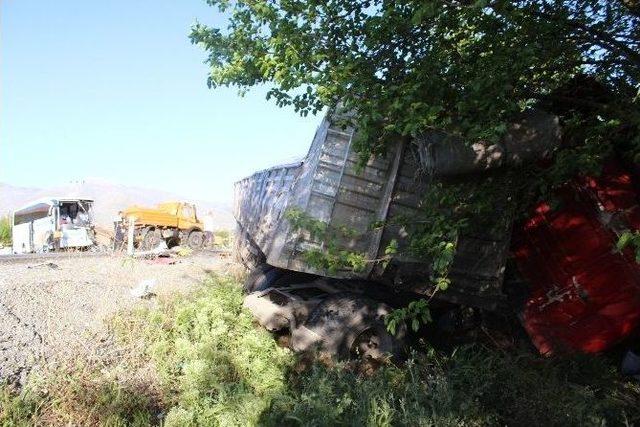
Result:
[[195, 240], [151, 239]]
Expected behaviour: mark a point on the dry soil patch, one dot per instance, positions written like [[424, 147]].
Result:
[[54, 313]]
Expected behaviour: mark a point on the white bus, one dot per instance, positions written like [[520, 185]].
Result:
[[53, 223]]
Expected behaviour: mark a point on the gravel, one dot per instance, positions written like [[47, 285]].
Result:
[[54, 311]]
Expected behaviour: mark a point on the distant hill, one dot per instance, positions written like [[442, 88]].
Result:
[[111, 198]]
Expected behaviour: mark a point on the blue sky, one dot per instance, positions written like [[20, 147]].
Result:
[[115, 90]]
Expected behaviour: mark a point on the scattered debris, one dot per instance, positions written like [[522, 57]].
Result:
[[163, 260], [182, 251], [160, 250], [51, 317], [51, 265], [163, 255], [144, 289]]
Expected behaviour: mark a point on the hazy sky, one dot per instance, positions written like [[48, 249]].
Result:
[[114, 90]]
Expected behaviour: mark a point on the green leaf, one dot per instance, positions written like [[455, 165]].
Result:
[[624, 240]]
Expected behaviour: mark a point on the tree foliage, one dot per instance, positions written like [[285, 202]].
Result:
[[406, 66]]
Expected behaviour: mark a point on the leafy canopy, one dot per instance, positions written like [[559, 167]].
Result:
[[406, 66]]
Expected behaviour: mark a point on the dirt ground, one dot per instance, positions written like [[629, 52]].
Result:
[[54, 310]]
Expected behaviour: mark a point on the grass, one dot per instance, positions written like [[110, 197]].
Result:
[[82, 396], [223, 238], [5, 230], [213, 366]]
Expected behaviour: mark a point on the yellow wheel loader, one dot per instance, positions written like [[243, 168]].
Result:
[[175, 223]]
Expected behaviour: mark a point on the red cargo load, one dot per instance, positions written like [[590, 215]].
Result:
[[585, 295]]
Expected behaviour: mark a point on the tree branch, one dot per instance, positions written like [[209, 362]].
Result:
[[604, 39]]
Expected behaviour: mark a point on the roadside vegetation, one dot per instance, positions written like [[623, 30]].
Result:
[[222, 238], [5, 230], [202, 361]]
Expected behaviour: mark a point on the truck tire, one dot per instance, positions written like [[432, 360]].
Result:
[[150, 239], [352, 326], [195, 240]]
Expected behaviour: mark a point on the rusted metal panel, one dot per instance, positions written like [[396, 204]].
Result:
[[331, 186], [328, 185]]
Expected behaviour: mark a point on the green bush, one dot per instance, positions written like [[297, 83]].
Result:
[[222, 369], [215, 366], [222, 238], [218, 367], [5, 230]]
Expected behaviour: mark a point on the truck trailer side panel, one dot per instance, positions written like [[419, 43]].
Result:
[[334, 186]]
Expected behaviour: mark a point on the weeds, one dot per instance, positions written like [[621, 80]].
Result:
[[475, 386], [215, 367], [223, 238], [17, 408], [81, 396], [5, 230]]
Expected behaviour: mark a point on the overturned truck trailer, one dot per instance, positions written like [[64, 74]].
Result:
[[329, 309], [340, 310]]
